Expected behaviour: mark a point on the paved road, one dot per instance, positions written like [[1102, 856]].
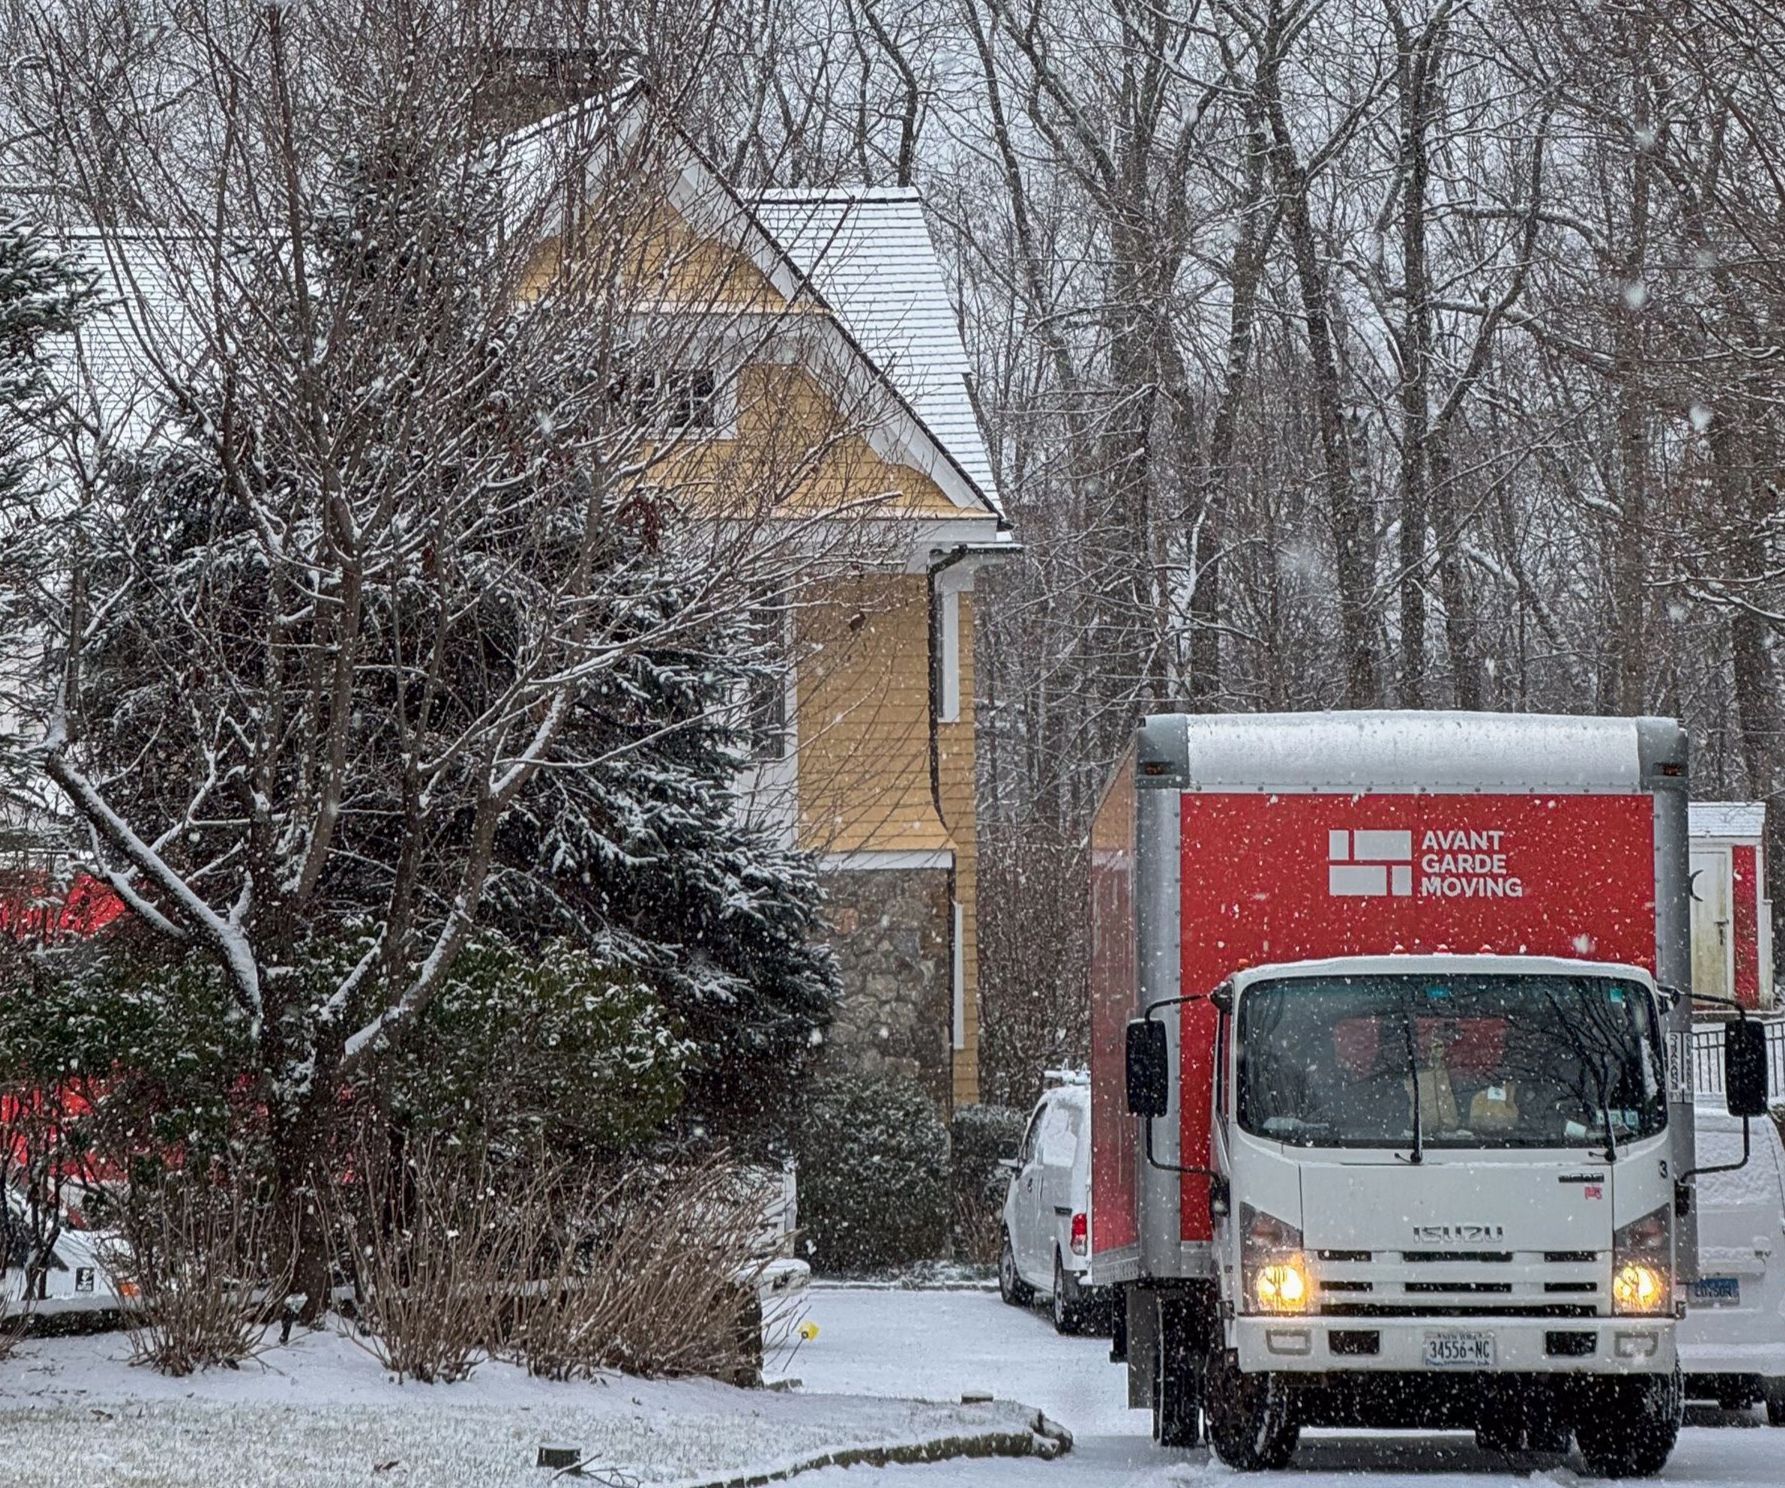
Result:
[[938, 1344]]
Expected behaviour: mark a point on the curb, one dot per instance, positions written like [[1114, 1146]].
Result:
[[1044, 1440]]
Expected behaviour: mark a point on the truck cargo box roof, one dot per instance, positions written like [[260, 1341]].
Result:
[[1424, 752]]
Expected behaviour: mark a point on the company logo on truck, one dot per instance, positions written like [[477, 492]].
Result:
[[1457, 1234], [1452, 863]]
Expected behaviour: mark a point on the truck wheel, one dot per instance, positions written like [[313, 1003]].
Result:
[[1775, 1402], [1252, 1423], [1629, 1427], [1068, 1309], [1011, 1286], [1177, 1381]]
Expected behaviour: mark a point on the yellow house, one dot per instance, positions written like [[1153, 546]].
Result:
[[811, 319]]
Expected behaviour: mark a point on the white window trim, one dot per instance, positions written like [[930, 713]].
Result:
[[959, 969], [888, 859], [948, 708]]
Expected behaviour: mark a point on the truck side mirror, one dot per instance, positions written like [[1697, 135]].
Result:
[[1149, 1079], [1744, 1066]]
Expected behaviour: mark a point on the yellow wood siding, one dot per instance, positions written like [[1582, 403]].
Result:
[[657, 258], [864, 718]]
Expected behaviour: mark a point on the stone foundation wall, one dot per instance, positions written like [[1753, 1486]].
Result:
[[890, 929]]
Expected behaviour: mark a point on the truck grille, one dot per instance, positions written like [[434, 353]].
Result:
[[1512, 1310], [1452, 1283]]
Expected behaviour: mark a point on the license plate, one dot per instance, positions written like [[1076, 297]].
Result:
[[1717, 1291], [1459, 1351]]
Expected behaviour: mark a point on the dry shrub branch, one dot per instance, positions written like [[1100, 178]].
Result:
[[210, 1265], [655, 1273], [440, 1249]]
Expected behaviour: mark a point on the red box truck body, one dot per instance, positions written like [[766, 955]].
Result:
[[1316, 860]]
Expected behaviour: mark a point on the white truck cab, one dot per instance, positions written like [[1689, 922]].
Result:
[[1489, 1133]]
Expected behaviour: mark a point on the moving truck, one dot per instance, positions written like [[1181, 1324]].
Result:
[[1391, 1118]]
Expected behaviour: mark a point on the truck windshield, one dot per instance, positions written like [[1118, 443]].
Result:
[[1493, 1061]]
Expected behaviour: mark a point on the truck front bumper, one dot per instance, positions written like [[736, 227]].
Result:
[[1398, 1345]]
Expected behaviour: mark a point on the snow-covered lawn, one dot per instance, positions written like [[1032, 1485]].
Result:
[[320, 1413], [937, 1344]]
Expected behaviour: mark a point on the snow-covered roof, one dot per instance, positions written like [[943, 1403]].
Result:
[[869, 254], [1743, 819], [866, 255]]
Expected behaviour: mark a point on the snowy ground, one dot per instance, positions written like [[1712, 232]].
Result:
[[938, 1344], [321, 1414]]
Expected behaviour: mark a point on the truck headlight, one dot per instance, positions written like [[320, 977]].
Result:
[[1275, 1271], [1642, 1265]]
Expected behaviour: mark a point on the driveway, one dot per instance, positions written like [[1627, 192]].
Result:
[[936, 1345]]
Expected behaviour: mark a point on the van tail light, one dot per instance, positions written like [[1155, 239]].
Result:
[[1080, 1234]]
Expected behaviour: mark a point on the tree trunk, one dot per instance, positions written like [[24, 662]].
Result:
[[1344, 511], [1415, 85], [1630, 359]]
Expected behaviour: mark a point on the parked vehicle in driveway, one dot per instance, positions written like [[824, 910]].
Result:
[[1046, 1210], [76, 1278], [1732, 1341]]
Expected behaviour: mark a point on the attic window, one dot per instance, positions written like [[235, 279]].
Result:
[[687, 398]]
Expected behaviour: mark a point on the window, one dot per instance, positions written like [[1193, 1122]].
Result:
[[683, 399], [1461, 1060], [765, 703]]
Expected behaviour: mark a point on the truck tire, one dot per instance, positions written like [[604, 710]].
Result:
[[1011, 1286], [1252, 1425], [1629, 1427], [1177, 1379], [1068, 1306], [1775, 1402]]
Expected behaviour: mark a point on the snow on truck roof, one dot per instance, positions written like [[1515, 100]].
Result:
[[1403, 751]]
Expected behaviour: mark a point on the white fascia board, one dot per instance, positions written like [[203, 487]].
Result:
[[883, 860], [958, 973]]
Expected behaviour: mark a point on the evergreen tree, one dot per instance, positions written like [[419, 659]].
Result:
[[642, 852], [42, 294]]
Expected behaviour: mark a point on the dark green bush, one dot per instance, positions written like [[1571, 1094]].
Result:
[[874, 1174], [979, 1137]]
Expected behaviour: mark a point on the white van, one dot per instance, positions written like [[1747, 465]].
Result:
[[1046, 1210], [1732, 1342], [76, 1278]]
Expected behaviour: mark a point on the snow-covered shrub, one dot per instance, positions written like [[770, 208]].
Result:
[[979, 1136], [203, 1256], [874, 1173], [43, 294], [535, 1053], [655, 1274]]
